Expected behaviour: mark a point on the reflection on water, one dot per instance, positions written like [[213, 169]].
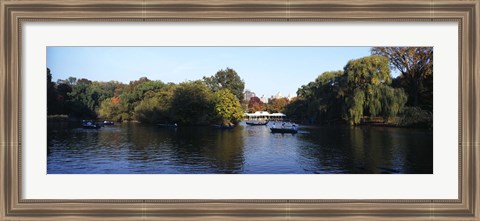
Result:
[[133, 148]]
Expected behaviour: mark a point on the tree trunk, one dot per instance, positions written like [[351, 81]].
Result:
[[415, 91]]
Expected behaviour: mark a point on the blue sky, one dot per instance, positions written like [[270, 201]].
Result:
[[265, 70]]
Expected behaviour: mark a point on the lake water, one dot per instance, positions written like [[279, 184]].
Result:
[[133, 148]]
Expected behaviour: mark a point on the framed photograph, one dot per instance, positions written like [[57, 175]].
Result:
[[228, 110]]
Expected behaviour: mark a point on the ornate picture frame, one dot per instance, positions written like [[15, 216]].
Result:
[[13, 13]]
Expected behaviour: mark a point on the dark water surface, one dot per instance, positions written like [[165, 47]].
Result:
[[133, 148]]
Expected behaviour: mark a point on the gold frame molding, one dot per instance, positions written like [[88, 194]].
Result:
[[464, 12]]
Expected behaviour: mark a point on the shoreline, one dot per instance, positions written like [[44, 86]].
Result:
[[66, 119]]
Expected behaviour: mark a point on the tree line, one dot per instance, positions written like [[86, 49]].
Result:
[[274, 105], [215, 99], [365, 90]]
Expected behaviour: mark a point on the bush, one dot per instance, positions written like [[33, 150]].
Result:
[[415, 117], [57, 118]]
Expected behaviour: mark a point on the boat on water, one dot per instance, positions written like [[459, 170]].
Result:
[[221, 126], [256, 123], [106, 122], [168, 125], [284, 128], [88, 124]]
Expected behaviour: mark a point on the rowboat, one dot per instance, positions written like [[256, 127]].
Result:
[[284, 128], [167, 125], [256, 123], [221, 126], [87, 124], [106, 122]]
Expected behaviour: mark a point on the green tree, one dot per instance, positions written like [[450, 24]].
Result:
[[129, 98], [415, 65], [296, 110], [79, 101], [324, 103], [227, 109], [84, 97], [113, 109], [318, 101], [51, 94], [277, 105], [361, 89], [392, 100], [157, 107], [371, 70], [72, 80], [141, 89], [192, 103], [62, 98], [355, 106], [228, 79], [81, 81], [367, 92], [57, 96]]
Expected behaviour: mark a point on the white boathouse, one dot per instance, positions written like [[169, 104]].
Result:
[[264, 115]]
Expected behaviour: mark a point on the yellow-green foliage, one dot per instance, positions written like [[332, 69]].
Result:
[[371, 70], [227, 108], [190, 102], [356, 106], [156, 107], [369, 81], [113, 109]]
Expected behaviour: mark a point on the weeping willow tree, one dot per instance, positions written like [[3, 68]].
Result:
[[367, 92], [362, 89], [355, 106]]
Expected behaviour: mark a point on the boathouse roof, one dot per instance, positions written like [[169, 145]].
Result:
[[265, 113]]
